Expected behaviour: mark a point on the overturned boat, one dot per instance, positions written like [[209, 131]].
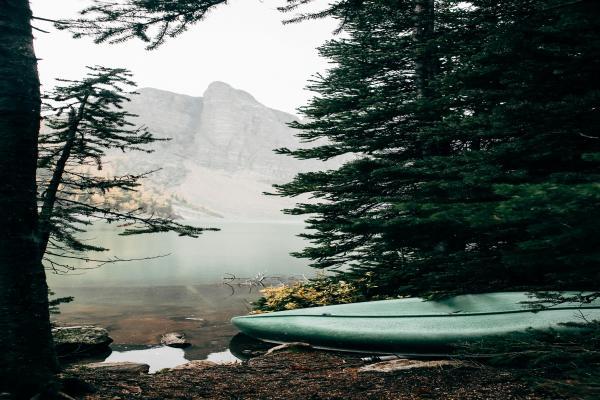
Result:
[[413, 325]]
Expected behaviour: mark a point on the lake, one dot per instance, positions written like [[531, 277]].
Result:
[[241, 248], [138, 301]]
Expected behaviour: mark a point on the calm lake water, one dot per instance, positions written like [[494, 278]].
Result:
[[138, 301], [240, 248]]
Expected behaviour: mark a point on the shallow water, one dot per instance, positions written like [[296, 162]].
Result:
[[222, 357], [140, 301], [156, 357], [161, 357], [141, 315]]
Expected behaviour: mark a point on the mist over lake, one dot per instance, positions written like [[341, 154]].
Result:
[[243, 249]]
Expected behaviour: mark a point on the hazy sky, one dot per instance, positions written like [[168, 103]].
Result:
[[242, 43]]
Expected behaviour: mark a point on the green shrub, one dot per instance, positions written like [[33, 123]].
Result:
[[320, 291]]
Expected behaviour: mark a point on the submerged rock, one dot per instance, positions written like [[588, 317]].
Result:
[[123, 366], [80, 341], [403, 364], [174, 339]]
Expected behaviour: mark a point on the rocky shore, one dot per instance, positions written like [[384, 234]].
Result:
[[282, 372], [300, 374]]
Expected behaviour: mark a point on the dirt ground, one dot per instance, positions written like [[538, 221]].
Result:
[[307, 375]]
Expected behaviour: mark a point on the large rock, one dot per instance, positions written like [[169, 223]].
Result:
[[174, 339], [123, 366], [81, 341]]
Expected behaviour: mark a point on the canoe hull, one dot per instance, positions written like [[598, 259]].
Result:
[[391, 328]]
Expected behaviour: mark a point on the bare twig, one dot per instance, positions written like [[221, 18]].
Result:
[[38, 29], [259, 281], [63, 268]]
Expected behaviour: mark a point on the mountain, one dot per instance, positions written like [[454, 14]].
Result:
[[220, 157]]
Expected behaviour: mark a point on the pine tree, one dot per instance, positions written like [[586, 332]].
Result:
[[85, 120], [475, 149], [375, 104]]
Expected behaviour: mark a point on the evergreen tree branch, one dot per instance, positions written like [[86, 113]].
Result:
[[85, 120], [50, 193]]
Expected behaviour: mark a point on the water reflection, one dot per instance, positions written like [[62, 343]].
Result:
[[161, 357], [140, 301], [156, 357], [141, 315], [241, 347], [222, 357]]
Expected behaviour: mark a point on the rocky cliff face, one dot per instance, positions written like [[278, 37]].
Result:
[[220, 157]]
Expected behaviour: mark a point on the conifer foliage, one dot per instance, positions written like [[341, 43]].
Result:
[[152, 21], [85, 120], [155, 21], [473, 128]]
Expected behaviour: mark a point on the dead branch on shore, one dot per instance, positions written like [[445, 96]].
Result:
[[259, 281]]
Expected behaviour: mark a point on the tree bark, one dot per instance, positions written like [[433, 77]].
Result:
[[27, 360]]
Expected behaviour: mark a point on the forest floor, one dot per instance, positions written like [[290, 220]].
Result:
[[307, 374]]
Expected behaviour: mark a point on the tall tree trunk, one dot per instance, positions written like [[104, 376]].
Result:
[[427, 66], [27, 360], [426, 62]]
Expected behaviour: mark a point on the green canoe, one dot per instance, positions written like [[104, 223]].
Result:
[[412, 325]]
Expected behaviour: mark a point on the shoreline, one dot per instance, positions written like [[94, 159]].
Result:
[[297, 373]]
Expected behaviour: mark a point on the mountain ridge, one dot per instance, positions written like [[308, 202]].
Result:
[[220, 158]]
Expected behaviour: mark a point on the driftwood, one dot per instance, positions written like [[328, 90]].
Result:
[[400, 364], [292, 345], [259, 281]]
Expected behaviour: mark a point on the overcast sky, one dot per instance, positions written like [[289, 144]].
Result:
[[242, 43]]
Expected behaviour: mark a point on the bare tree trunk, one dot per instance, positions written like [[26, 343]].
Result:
[[27, 360]]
